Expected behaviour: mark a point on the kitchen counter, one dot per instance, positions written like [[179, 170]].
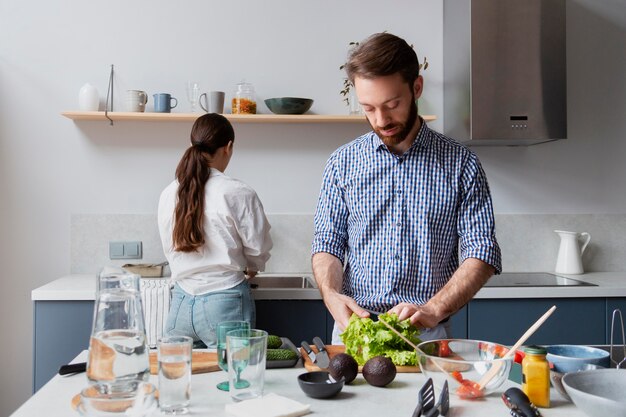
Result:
[[609, 284], [398, 399]]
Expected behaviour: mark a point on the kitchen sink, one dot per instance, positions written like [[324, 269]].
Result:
[[277, 282]]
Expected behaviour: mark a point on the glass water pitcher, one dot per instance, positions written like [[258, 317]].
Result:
[[118, 349]]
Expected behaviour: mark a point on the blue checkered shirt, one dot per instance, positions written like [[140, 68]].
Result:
[[400, 223]]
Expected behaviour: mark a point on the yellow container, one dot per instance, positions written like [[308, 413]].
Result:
[[536, 376]]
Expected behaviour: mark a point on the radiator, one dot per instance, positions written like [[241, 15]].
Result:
[[155, 294]]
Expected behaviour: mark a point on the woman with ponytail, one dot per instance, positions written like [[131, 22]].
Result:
[[214, 233]]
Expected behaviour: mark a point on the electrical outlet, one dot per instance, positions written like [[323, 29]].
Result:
[[125, 250]]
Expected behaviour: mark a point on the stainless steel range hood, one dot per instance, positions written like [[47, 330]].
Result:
[[504, 71]]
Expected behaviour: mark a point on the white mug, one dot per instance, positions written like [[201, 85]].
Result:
[[136, 100]]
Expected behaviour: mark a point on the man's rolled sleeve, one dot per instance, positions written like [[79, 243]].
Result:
[[477, 237]]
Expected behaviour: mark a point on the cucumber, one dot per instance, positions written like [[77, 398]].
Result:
[[274, 342], [281, 355]]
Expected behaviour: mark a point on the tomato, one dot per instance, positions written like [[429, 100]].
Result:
[[469, 390], [444, 349], [457, 375], [500, 351], [519, 356]]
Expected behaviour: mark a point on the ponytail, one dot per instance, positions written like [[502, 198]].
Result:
[[209, 133]]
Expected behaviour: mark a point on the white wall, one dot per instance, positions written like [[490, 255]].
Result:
[[51, 167]]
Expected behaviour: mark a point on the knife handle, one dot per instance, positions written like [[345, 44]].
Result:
[[73, 368], [319, 344], [306, 347]]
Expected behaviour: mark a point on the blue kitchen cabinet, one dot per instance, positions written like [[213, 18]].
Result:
[[297, 320], [575, 321], [61, 331], [458, 324]]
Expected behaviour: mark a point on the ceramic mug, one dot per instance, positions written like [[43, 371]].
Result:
[[214, 102], [163, 102], [136, 100]]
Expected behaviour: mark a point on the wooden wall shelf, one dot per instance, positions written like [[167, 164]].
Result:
[[235, 118]]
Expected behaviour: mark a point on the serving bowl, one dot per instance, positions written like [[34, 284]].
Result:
[[473, 368], [556, 378], [571, 358], [319, 384], [288, 105], [598, 393]]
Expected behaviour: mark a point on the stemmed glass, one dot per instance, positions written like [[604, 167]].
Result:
[[222, 329], [193, 94]]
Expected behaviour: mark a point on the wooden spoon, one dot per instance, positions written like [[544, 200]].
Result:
[[488, 376]]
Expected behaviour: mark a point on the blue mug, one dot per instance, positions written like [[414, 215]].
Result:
[[163, 102]]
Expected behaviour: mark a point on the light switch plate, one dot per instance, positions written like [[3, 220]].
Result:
[[125, 250]]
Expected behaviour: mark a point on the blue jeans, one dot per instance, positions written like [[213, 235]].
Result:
[[198, 316]]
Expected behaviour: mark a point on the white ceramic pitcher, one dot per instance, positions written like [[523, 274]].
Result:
[[569, 260]]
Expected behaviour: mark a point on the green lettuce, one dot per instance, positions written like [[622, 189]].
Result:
[[365, 338]]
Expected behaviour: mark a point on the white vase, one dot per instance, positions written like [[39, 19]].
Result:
[[88, 99]]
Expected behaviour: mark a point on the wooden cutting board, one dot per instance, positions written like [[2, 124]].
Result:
[[201, 362], [337, 349]]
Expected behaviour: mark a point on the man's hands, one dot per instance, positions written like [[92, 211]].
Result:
[[341, 307], [421, 316], [328, 273], [464, 284]]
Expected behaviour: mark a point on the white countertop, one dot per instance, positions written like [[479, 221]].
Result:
[[360, 399], [609, 284], [83, 287]]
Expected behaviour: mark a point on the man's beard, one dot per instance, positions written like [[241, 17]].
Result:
[[405, 128]]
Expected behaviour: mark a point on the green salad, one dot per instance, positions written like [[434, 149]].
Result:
[[365, 338]]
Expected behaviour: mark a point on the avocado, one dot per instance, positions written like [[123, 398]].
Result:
[[343, 365], [379, 371], [274, 342], [281, 355]]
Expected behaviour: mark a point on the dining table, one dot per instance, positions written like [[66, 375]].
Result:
[[399, 398]]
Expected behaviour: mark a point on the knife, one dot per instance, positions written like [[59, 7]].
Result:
[[308, 350], [322, 360], [73, 368]]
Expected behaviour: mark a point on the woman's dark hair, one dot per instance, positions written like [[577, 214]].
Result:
[[209, 133], [383, 54]]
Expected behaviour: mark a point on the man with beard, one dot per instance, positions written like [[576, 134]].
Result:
[[398, 206]]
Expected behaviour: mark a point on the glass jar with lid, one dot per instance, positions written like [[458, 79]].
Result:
[[536, 376], [244, 101]]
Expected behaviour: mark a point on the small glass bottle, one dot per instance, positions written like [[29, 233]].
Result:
[[244, 101], [536, 376]]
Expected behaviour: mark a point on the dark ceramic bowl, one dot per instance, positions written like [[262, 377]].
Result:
[[289, 105], [319, 384]]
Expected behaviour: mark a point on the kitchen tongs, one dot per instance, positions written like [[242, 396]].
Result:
[[426, 401]]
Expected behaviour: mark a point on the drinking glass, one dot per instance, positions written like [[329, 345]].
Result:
[[223, 328], [174, 360], [193, 94], [246, 363]]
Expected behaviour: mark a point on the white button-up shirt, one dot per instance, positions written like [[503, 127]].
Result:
[[236, 233]]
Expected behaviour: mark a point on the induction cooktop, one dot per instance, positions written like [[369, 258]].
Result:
[[534, 279]]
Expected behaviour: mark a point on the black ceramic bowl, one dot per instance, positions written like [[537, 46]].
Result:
[[319, 384], [289, 105]]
